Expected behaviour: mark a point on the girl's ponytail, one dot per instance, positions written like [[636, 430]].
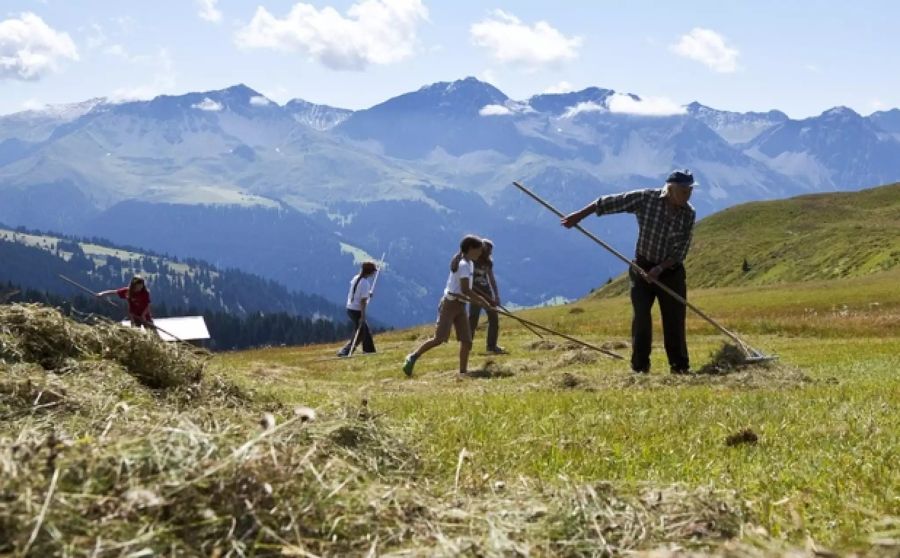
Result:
[[454, 262]]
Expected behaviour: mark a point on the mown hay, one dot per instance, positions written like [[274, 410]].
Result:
[[575, 357], [568, 381], [493, 369], [203, 485], [551, 345], [41, 334], [33, 333], [726, 359]]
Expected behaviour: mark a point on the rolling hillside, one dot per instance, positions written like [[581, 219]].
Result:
[[242, 310], [819, 236]]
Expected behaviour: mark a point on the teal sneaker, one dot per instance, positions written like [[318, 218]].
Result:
[[409, 363]]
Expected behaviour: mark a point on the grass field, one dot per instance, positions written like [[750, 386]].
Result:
[[549, 450], [824, 469]]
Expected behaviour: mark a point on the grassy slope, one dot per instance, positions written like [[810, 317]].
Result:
[[821, 236], [826, 415]]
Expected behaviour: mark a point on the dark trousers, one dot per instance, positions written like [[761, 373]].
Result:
[[673, 313], [364, 336], [493, 323]]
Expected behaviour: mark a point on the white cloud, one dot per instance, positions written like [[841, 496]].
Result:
[[489, 76], [209, 11], [708, 47], [33, 104], [510, 41], [561, 87], [259, 101], [372, 32], [813, 68], [494, 110], [586, 106], [29, 48], [208, 104], [648, 106]]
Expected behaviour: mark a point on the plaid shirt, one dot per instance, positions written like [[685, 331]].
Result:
[[664, 233]]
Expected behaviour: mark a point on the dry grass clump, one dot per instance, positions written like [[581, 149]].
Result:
[[599, 520], [568, 381], [728, 358], [493, 369], [551, 345], [33, 333], [40, 334], [751, 377], [573, 520], [576, 356], [192, 484]]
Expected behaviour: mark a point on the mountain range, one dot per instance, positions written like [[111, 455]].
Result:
[[300, 192]]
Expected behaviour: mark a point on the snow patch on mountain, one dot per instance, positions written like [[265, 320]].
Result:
[[208, 104], [648, 106], [580, 108], [494, 110], [359, 255]]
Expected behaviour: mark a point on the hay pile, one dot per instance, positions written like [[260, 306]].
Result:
[[494, 369], [32, 333], [728, 358], [577, 356]]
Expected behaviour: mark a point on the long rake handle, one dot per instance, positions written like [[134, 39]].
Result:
[[637, 268], [531, 329], [114, 305], [560, 334], [87, 290]]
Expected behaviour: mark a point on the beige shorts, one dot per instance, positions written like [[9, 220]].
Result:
[[452, 313]]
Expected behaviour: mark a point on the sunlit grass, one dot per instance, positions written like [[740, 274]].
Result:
[[826, 414]]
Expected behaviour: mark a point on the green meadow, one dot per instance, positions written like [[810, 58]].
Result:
[[824, 466]]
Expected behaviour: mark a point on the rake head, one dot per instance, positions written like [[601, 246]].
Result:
[[754, 356]]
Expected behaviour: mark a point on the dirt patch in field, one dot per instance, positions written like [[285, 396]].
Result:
[[745, 436]]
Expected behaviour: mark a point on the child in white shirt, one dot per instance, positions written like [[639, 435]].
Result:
[[357, 301], [452, 308]]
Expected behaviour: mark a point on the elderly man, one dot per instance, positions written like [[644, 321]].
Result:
[[666, 223]]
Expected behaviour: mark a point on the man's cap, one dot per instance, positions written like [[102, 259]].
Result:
[[681, 178]]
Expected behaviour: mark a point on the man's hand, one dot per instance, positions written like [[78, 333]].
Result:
[[654, 273], [572, 219]]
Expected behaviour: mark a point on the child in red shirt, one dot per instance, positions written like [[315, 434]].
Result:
[[138, 298]]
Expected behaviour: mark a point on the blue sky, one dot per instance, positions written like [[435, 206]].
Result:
[[800, 57]]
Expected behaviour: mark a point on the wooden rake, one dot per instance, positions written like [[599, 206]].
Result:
[[751, 355]]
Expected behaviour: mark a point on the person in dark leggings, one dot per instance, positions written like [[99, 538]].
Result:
[[666, 224], [484, 283], [357, 301]]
